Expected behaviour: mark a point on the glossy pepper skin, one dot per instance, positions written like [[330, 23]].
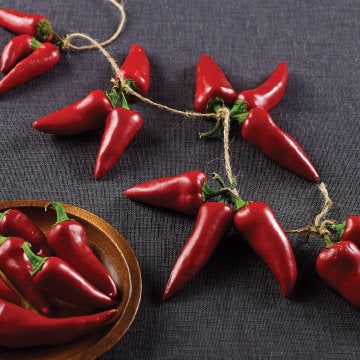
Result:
[[15, 223], [339, 267], [181, 192], [87, 114], [211, 83], [8, 294], [136, 69], [45, 57], [17, 268], [212, 224], [20, 328], [69, 241], [15, 50], [53, 276], [30, 24], [259, 227], [268, 94], [261, 131], [120, 128]]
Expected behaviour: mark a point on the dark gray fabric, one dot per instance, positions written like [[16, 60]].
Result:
[[233, 309]]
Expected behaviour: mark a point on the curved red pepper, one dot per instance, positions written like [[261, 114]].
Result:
[[8, 294], [15, 50], [21, 328], [182, 192], [87, 114], [120, 128], [15, 223], [17, 268], [38, 62], [268, 94], [136, 69], [211, 83], [53, 276], [68, 240], [31, 24], [339, 267], [259, 227], [261, 131], [212, 224]]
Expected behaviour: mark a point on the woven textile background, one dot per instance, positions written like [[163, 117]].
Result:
[[233, 309]]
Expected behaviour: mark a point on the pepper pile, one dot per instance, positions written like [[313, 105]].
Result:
[[256, 223], [41, 270], [99, 109]]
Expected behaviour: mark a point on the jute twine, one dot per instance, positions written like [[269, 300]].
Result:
[[319, 227]]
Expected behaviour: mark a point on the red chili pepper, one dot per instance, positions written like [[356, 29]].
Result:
[[21, 328], [350, 229], [136, 69], [16, 49], [69, 241], [53, 276], [8, 294], [120, 128], [261, 131], [212, 224], [15, 223], [259, 227], [211, 83], [17, 268], [87, 114], [268, 94], [339, 266], [45, 57], [30, 24], [184, 192]]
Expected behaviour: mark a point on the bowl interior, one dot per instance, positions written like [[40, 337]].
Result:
[[117, 256]]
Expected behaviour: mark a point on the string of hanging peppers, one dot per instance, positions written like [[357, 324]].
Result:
[[191, 193]]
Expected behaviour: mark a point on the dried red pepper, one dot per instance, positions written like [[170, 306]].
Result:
[[259, 227], [211, 83], [268, 94], [261, 131], [184, 192], [15, 50], [53, 276], [136, 70], [30, 24], [8, 294], [87, 114], [120, 128], [212, 224], [16, 223], [68, 240], [21, 328], [41, 60], [339, 266], [17, 268]]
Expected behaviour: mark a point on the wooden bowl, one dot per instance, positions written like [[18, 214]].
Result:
[[119, 259]]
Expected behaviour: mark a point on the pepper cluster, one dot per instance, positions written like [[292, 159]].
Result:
[[42, 269]]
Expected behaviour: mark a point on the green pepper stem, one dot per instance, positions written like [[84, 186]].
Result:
[[124, 103], [35, 44], [328, 241], [239, 112], [61, 214], [3, 214], [208, 192], [212, 131], [36, 261], [340, 228], [3, 239], [219, 179]]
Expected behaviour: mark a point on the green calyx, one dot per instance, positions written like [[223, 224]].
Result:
[[339, 229], [61, 214], [238, 112], [328, 242], [213, 106], [124, 103], [35, 44], [36, 261], [131, 84], [3, 239], [113, 97], [44, 30]]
